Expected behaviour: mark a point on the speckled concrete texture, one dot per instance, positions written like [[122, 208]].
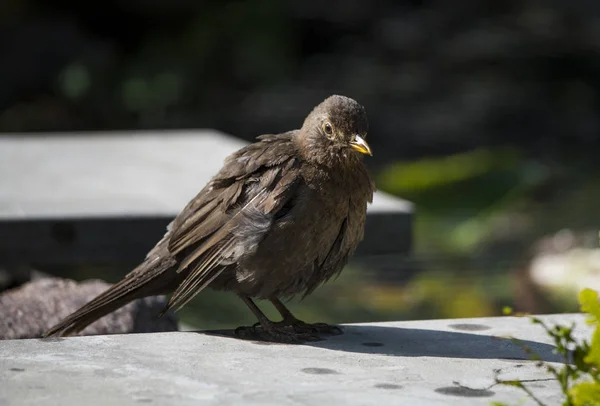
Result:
[[438, 362]]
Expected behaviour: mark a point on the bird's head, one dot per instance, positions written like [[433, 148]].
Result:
[[337, 129]]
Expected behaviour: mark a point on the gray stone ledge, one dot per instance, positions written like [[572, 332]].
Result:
[[437, 362]]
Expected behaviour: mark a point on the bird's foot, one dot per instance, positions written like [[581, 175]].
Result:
[[275, 332], [318, 328]]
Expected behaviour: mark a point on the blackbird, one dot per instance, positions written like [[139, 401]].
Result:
[[280, 218]]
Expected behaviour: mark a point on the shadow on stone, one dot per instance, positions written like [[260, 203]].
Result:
[[408, 342]]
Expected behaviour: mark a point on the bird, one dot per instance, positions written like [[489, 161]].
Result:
[[282, 216]]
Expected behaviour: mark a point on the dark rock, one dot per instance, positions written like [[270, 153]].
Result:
[[30, 310]]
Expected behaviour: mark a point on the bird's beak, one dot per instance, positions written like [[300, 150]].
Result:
[[360, 145]]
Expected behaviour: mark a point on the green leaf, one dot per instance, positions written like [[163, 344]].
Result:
[[579, 358], [585, 394], [590, 304], [593, 356], [588, 299]]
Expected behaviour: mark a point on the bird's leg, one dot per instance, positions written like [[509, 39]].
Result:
[[298, 325], [272, 331]]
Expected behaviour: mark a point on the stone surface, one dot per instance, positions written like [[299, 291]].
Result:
[[108, 197], [438, 362], [29, 310]]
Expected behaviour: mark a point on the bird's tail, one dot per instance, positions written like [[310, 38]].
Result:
[[146, 280]]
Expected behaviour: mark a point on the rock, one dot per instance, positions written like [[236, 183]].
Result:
[[28, 311]]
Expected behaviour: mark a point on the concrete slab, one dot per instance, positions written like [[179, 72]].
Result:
[[108, 196], [438, 362]]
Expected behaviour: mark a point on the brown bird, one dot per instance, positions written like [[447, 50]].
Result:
[[280, 218]]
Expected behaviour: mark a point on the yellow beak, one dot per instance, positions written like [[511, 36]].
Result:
[[360, 145]]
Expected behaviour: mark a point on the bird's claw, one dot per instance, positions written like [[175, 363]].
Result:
[[276, 333], [318, 328]]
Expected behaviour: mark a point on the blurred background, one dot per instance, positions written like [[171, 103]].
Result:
[[485, 115]]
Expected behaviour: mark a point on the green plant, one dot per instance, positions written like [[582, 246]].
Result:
[[579, 376]]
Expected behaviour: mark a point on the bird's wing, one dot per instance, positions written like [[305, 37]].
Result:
[[233, 213]]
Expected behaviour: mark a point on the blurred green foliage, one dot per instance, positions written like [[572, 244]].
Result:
[[458, 196]]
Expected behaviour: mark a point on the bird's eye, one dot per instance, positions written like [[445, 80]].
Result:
[[327, 128]]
